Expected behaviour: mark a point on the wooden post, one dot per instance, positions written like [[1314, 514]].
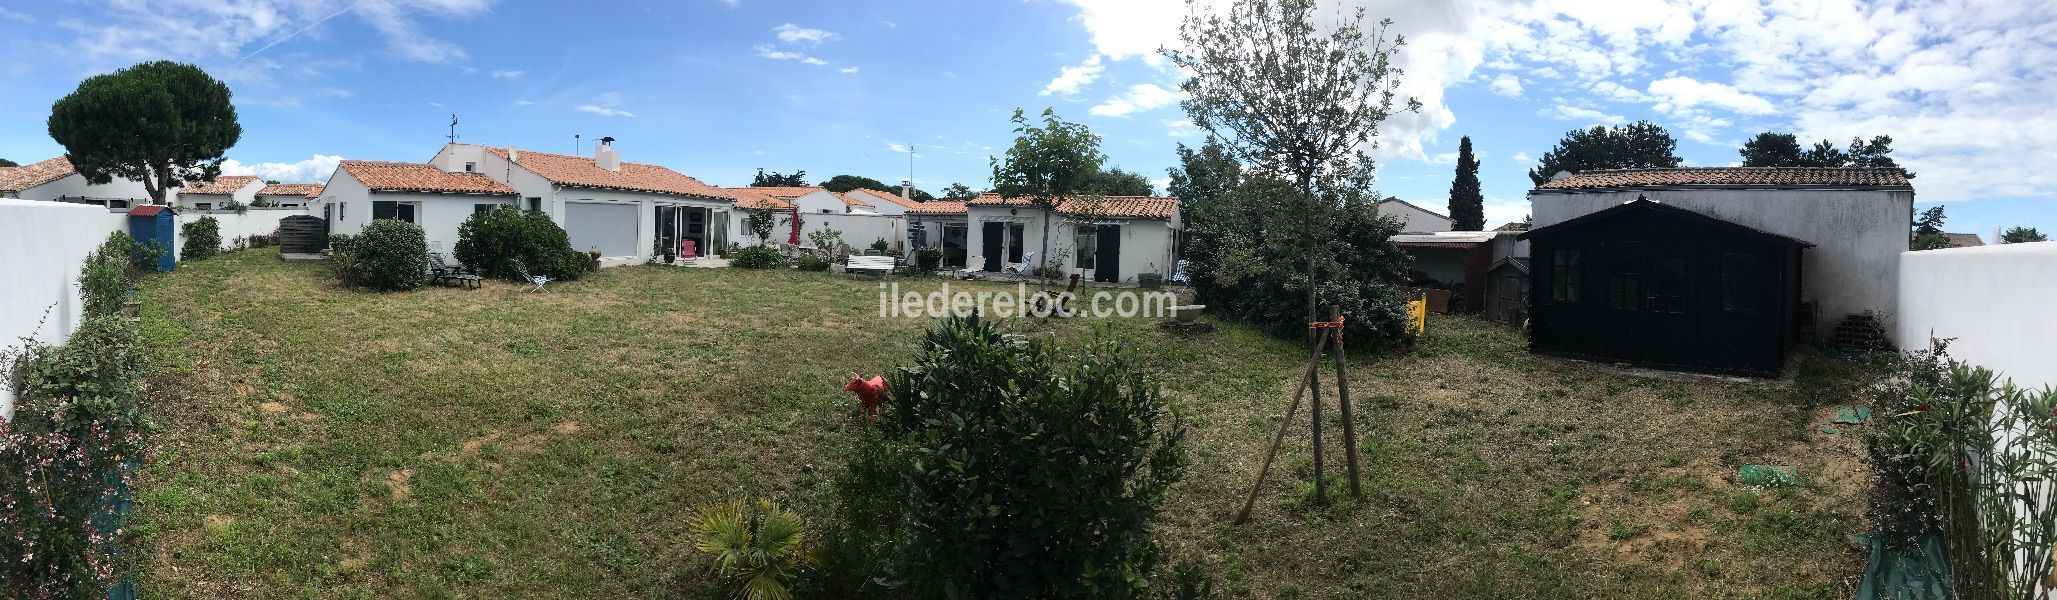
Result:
[[1314, 397], [1343, 398], [1278, 438]]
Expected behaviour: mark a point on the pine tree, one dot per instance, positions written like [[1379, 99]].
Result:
[[1467, 204]]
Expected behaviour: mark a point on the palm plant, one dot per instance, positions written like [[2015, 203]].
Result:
[[760, 547]]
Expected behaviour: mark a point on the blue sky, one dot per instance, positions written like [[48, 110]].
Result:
[[717, 88]]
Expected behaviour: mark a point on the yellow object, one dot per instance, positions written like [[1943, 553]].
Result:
[[1417, 315]]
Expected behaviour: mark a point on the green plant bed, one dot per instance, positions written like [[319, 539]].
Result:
[[757, 257]]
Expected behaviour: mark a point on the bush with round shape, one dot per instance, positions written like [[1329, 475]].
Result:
[[812, 263], [494, 241], [390, 256], [757, 257], [203, 239], [928, 259]]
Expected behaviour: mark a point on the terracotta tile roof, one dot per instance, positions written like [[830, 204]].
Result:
[[311, 190], [1140, 207], [752, 197], [892, 198], [223, 185], [1963, 240], [1516, 226], [851, 200], [582, 171], [1731, 176], [784, 192], [15, 179], [382, 176], [937, 207]]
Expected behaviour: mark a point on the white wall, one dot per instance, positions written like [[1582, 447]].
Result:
[[858, 230], [1858, 236], [1413, 219], [878, 205], [813, 203], [1995, 300], [254, 221], [45, 244]]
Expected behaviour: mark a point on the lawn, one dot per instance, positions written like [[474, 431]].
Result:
[[325, 442]]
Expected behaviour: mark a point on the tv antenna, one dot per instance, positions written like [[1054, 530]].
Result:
[[453, 128]]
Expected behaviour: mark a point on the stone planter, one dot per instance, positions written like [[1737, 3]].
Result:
[[1187, 313]]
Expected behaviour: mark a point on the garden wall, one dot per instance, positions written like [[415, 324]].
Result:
[[859, 231], [256, 221], [1999, 302], [43, 245]]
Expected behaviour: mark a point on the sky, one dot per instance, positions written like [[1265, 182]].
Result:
[[717, 89]]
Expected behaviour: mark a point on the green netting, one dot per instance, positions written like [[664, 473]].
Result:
[[1849, 415], [1896, 575], [1768, 475]]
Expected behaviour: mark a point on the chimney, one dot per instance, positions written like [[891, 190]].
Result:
[[605, 157], [907, 189]]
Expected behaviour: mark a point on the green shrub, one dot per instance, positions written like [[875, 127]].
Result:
[[494, 241], [1247, 271], [993, 471], [203, 239], [879, 245], [759, 547], [389, 255], [928, 259], [67, 454], [757, 257], [812, 263], [139, 258], [103, 284]]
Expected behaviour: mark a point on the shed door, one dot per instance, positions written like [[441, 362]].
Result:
[[609, 227], [1107, 263]]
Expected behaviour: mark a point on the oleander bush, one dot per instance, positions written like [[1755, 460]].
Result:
[[388, 256], [203, 239], [495, 241], [757, 257]]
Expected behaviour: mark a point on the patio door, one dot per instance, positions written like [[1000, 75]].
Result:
[[719, 240], [696, 230], [1107, 259], [667, 228], [1014, 243], [992, 243]]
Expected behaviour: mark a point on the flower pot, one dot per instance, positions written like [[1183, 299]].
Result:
[[1187, 313]]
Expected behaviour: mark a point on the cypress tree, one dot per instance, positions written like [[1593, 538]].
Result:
[[1467, 204]]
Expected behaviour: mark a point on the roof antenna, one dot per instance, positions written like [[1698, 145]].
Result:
[[575, 144], [453, 128]]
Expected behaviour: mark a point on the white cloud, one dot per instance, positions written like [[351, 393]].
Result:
[[1140, 97], [1182, 128], [1685, 92], [1506, 85], [313, 170], [814, 61], [1584, 116], [1501, 211], [848, 70], [888, 24], [896, 147], [1522, 158], [732, 3], [606, 105], [795, 34], [507, 74], [1071, 79], [228, 37], [524, 103], [767, 51]]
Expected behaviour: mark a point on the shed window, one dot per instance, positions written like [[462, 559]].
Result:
[[1564, 276], [1087, 243], [1739, 283], [1668, 284]]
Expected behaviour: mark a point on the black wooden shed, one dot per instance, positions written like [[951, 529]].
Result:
[[1659, 285]]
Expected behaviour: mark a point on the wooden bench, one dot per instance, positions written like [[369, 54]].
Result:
[[859, 264]]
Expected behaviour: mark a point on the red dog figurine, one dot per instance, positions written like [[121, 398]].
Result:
[[871, 392]]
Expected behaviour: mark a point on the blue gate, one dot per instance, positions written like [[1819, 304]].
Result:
[[157, 226]]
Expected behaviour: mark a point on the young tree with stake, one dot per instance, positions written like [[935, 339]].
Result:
[[1298, 104], [1048, 165]]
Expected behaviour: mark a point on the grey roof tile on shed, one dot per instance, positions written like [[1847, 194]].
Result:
[[1732, 177]]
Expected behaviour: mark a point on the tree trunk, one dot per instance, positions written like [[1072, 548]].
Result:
[[1043, 255], [1313, 335]]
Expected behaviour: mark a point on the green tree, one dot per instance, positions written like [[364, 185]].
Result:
[[1116, 182], [2021, 235], [1928, 231], [163, 123], [1300, 97], [774, 179], [1876, 154], [1771, 149], [959, 191], [4, 163], [1467, 203], [1202, 176], [1048, 165], [844, 183], [1638, 145]]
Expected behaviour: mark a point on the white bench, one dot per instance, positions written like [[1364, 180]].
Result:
[[858, 264]]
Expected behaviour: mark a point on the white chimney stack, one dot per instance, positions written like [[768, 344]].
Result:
[[907, 189], [605, 157]]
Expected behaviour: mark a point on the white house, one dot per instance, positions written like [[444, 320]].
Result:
[[206, 195], [1853, 221], [939, 224], [626, 210], [288, 195], [1111, 241], [438, 201], [55, 179], [1414, 219], [881, 201]]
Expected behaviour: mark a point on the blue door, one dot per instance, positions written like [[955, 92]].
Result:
[[154, 226]]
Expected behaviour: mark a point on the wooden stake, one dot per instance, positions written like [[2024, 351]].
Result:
[[1343, 398], [1279, 438], [1314, 396]]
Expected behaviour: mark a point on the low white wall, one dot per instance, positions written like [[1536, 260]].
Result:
[[858, 230], [1995, 300], [44, 244], [257, 221]]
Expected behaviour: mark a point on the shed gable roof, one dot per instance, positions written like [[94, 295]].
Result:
[[1641, 204]]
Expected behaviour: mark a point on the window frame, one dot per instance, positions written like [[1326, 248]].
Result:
[[1566, 278]]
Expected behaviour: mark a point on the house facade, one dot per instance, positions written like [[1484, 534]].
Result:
[[55, 179], [628, 211], [288, 195], [941, 224], [438, 201], [881, 201], [1414, 219], [1845, 229], [224, 191], [1111, 241]]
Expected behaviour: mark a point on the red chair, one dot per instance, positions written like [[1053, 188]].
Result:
[[687, 247]]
